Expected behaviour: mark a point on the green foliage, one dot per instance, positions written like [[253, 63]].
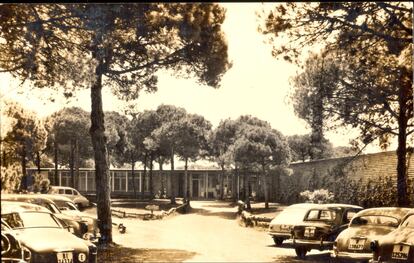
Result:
[[65, 127], [10, 178], [24, 136], [319, 196]]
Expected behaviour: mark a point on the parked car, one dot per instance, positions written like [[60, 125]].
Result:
[[353, 244], [321, 226], [68, 207], [72, 194], [281, 226], [79, 224], [44, 235], [11, 248], [397, 246]]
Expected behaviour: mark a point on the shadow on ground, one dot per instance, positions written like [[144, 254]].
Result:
[[130, 255], [231, 215], [325, 257]]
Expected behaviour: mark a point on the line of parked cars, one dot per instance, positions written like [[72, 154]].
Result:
[[42, 228], [353, 234]]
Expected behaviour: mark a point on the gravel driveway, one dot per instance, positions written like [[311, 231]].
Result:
[[210, 233]]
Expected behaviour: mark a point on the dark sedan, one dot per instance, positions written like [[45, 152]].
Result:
[[48, 241], [353, 244], [321, 226], [397, 246]]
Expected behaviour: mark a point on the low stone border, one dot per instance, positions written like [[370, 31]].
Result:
[[249, 220], [150, 216]]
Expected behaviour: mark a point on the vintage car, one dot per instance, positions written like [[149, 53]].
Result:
[[281, 226], [353, 244], [79, 225], [72, 194], [68, 207], [44, 235], [397, 246], [11, 248], [321, 226]]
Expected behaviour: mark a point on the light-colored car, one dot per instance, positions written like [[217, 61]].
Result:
[[45, 237], [353, 244], [281, 226], [72, 194], [397, 246]]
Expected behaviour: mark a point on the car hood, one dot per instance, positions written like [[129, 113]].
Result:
[[55, 239]]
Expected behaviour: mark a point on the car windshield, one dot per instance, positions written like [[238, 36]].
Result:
[[408, 222], [30, 220], [321, 215], [375, 220], [291, 215], [53, 208]]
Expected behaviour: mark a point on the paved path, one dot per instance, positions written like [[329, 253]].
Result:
[[212, 233]]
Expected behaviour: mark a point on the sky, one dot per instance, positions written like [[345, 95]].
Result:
[[257, 84]]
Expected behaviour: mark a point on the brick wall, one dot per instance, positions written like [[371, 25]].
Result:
[[311, 175]]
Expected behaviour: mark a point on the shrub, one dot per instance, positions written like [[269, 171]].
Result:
[[319, 196]]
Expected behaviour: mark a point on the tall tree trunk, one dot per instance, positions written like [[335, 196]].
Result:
[[72, 162], [246, 191], [235, 192], [103, 187], [186, 181], [55, 145], [77, 163], [222, 183], [23, 183], [172, 177], [144, 178], [133, 178], [151, 183], [160, 161], [265, 188], [403, 199], [38, 161]]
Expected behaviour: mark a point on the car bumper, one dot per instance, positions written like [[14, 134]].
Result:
[[314, 244], [280, 234], [352, 256]]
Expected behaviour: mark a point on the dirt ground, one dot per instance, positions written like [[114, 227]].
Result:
[[209, 233]]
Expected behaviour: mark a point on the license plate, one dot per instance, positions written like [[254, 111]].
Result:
[[356, 244], [64, 257], [309, 232], [400, 252]]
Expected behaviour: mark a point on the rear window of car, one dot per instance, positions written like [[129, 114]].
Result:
[[408, 222], [61, 191], [375, 220], [321, 215]]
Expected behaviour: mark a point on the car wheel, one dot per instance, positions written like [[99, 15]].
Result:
[[80, 206], [278, 241], [301, 252]]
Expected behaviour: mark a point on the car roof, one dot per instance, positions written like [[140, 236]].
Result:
[[8, 207], [62, 187], [341, 206], [304, 205], [399, 212], [19, 197], [56, 197]]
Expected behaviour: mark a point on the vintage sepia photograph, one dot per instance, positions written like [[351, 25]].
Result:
[[207, 132]]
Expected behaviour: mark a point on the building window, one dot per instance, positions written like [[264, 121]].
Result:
[[119, 181]]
